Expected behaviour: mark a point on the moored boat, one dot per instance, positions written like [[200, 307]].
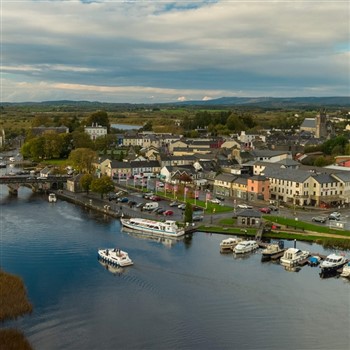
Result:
[[314, 260], [331, 265], [245, 247], [227, 245], [52, 198], [115, 256], [346, 271], [162, 228], [272, 249], [292, 256]]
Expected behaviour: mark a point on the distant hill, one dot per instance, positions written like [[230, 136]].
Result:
[[275, 102], [262, 102]]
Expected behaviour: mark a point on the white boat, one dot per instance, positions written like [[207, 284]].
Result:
[[272, 249], [332, 264], [245, 247], [228, 244], [160, 228], [52, 198], [346, 271], [115, 256], [292, 256]]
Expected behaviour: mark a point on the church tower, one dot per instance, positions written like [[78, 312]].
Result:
[[321, 125]]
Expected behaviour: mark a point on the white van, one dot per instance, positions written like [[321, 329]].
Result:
[[150, 206]]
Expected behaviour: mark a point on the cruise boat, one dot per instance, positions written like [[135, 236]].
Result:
[[52, 198], [228, 244], [115, 256], [161, 228], [245, 247], [332, 264], [272, 249], [346, 271], [292, 256]]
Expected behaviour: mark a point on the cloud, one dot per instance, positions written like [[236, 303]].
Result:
[[170, 48]]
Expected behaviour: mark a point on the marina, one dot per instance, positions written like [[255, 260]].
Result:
[[180, 284]]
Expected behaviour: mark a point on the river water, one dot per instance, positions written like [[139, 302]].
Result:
[[184, 295]]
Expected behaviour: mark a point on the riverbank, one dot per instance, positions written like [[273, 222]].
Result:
[[94, 202]]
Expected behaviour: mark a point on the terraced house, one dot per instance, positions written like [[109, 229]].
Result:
[[308, 187]]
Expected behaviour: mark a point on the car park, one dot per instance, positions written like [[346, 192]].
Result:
[[140, 205], [155, 198], [123, 200], [265, 210], [148, 195], [160, 210], [321, 219], [168, 213], [173, 204], [182, 206]]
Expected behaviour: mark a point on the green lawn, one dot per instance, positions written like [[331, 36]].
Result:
[[304, 226]]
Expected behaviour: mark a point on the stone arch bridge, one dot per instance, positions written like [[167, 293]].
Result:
[[37, 184]]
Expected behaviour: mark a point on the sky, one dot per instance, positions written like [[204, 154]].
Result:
[[168, 51]]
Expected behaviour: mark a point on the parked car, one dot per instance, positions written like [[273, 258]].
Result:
[[123, 200], [148, 195], [155, 198], [173, 204], [273, 208], [160, 184], [182, 206], [244, 206], [112, 196], [132, 203], [334, 216], [168, 213], [216, 201], [198, 218], [265, 210], [160, 210], [140, 205], [321, 219]]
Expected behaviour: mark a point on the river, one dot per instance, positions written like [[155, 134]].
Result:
[[184, 295]]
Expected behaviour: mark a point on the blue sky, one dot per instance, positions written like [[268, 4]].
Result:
[[167, 51]]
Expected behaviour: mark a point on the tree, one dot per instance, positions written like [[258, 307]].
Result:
[[103, 185], [188, 213], [82, 140], [85, 182], [83, 159], [99, 118]]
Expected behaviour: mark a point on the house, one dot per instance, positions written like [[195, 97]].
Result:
[[73, 184], [258, 187], [223, 184], [95, 131], [45, 172], [40, 130], [239, 188], [249, 218]]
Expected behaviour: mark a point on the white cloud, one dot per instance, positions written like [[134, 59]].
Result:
[[177, 46]]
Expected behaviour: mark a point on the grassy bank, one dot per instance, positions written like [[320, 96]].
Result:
[[13, 303], [304, 226]]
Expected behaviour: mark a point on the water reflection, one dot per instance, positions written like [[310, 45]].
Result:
[[115, 270], [167, 241]]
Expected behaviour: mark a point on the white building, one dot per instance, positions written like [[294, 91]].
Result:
[[96, 131]]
